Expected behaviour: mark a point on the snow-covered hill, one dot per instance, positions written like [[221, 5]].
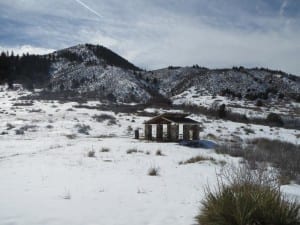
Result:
[[85, 69], [237, 82], [106, 75]]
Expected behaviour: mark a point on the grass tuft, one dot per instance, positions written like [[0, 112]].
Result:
[[247, 199], [71, 136], [91, 154], [159, 153], [153, 171], [104, 149], [83, 129], [198, 159], [131, 150]]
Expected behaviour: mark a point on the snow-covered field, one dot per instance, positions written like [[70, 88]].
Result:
[[47, 177]]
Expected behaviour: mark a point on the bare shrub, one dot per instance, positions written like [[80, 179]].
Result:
[[153, 171], [249, 130], [104, 149], [282, 155], [259, 103], [159, 153], [49, 126], [104, 136], [35, 110], [24, 128], [71, 136], [233, 150], [29, 127], [198, 159], [131, 150], [275, 119], [83, 129], [211, 136], [24, 103], [103, 117], [9, 126], [20, 132], [91, 154], [129, 129]]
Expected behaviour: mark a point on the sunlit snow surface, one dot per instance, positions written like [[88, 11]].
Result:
[[47, 178]]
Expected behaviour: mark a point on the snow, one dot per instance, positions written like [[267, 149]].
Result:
[[92, 74], [173, 81], [193, 96], [291, 191], [47, 177]]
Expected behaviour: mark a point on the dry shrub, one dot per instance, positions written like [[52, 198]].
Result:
[[104, 149], [153, 171], [246, 197], [83, 129], [103, 117], [131, 150], [282, 155], [91, 154], [159, 153], [197, 159]]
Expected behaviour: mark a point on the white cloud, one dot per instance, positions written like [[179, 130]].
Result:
[[158, 33]]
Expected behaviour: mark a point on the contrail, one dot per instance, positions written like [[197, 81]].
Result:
[[283, 7], [88, 8]]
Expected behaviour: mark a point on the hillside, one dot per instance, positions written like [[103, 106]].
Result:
[[96, 72], [236, 82]]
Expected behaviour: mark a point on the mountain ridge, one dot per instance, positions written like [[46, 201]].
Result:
[[97, 70]]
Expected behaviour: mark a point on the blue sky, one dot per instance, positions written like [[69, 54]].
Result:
[[158, 33]]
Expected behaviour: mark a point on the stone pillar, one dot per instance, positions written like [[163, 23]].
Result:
[[159, 132], [169, 132], [148, 131], [174, 132], [186, 132], [196, 131], [136, 134]]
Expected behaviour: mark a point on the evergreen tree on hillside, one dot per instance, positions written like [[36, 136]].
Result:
[[27, 69]]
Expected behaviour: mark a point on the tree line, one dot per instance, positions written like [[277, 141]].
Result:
[[26, 69]]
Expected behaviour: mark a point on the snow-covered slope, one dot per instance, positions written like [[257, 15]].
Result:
[[240, 82], [101, 73], [83, 69], [95, 71], [47, 177]]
